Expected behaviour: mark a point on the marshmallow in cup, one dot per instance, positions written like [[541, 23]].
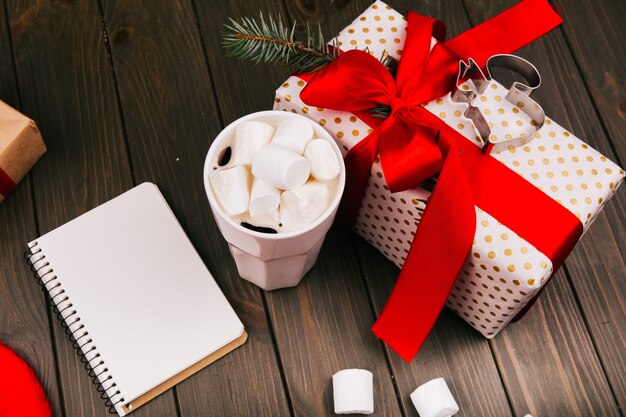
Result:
[[281, 167], [231, 188], [264, 198], [324, 163], [249, 138], [302, 205], [293, 134]]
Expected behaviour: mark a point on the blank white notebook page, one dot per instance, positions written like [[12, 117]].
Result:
[[142, 292]]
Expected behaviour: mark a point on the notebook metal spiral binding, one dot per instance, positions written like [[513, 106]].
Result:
[[73, 327]]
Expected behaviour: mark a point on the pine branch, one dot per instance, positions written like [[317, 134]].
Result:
[[271, 41], [380, 111], [390, 63], [430, 183]]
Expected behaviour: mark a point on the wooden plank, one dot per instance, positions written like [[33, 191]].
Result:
[[66, 85], [595, 34], [171, 117], [453, 350], [597, 270], [240, 87], [24, 322], [564, 98], [8, 82], [311, 353], [323, 326], [548, 362]]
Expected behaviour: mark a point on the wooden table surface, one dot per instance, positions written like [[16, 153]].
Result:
[[132, 91]]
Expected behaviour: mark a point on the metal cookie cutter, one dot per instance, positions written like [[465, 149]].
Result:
[[518, 95]]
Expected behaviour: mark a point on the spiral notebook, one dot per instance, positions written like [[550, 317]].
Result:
[[134, 297]]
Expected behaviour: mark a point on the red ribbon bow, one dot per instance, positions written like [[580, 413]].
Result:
[[414, 145]]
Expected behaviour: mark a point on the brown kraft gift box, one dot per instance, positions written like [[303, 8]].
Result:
[[21, 146]]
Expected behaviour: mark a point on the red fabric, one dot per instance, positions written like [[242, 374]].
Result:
[[20, 391], [414, 144], [553, 229], [507, 32], [6, 183]]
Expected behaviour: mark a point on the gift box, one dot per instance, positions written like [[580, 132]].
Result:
[[503, 271], [21, 146]]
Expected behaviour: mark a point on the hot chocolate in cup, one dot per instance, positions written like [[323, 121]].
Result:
[[277, 251]]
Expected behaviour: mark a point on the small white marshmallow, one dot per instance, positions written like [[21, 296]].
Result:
[[302, 205], [294, 134], [353, 391], [264, 199], [324, 163], [232, 189], [434, 399], [250, 137], [281, 167]]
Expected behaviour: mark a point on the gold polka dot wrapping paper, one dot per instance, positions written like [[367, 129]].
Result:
[[503, 272]]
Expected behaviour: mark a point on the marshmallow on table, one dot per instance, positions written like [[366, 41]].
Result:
[[434, 399], [294, 134], [232, 189], [353, 391], [324, 163], [250, 137], [300, 206], [281, 167]]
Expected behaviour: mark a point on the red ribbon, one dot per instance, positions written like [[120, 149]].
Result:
[[414, 145], [6, 183]]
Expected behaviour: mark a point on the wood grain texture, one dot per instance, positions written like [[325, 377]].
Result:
[[240, 87], [171, 119], [548, 363], [597, 267], [24, 322], [453, 351], [595, 34], [323, 326], [8, 81], [561, 88], [66, 86]]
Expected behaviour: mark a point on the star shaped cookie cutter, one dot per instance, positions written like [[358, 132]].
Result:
[[518, 95]]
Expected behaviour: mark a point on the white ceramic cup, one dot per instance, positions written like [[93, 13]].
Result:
[[279, 260]]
